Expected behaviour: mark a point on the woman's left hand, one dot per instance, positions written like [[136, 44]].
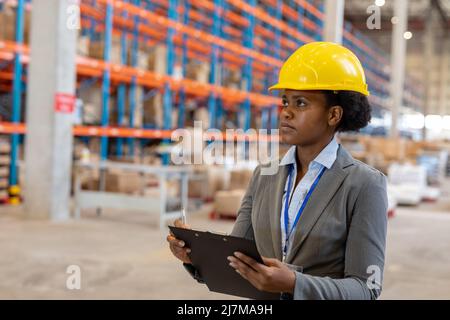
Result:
[[272, 276]]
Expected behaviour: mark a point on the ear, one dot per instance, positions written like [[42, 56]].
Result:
[[335, 114]]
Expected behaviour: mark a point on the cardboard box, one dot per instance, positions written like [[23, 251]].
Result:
[[3, 194], [143, 59], [96, 49], [4, 183], [228, 202], [123, 181], [5, 160], [240, 179], [115, 181], [198, 71], [173, 190], [157, 59], [5, 147], [215, 178], [153, 110], [92, 104], [392, 149], [8, 23], [83, 45], [4, 172], [202, 115], [90, 183]]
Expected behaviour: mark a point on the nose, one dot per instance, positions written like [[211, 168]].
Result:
[[286, 113]]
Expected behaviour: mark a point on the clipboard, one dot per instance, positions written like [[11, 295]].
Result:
[[209, 252]]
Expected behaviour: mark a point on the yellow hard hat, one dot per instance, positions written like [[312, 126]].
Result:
[[322, 66]]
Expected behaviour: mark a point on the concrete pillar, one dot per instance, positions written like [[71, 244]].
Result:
[[334, 21], [48, 150], [398, 55], [429, 56], [445, 79]]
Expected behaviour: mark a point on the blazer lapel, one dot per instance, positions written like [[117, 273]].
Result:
[[325, 190], [276, 193]]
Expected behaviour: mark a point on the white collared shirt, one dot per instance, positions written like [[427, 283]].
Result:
[[325, 158]]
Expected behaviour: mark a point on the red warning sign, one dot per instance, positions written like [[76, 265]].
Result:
[[64, 103]]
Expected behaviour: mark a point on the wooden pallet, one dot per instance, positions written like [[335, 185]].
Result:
[[213, 215]]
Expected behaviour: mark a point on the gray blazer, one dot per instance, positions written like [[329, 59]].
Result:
[[339, 243]]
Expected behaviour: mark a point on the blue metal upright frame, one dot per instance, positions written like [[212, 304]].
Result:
[[133, 86], [167, 97], [106, 79], [212, 99], [274, 109], [184, 61], [17, 93], [247, 74], [121, 90]]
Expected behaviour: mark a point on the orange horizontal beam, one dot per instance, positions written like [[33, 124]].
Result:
[[95, 68], [231, 16], [5, 87], [310, 8], [6, 76], [263, 16], [293, 15], [113, 132], [121, 132], [164, 21], [10, 128], [6, 55], [14, 47], [190, 43], [191, 86], [350, 36], [91, 11]]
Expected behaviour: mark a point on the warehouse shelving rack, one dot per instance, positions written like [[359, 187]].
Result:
[[251, 36], [377, 68], [225, 36]]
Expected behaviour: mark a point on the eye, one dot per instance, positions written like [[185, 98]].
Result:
[[301, 103], [284, 103]]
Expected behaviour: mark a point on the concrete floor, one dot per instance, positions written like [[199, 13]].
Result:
[[124, 256]]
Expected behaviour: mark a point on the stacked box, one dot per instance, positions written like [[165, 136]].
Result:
[[198, 71], [215, 178], [5, 150], [92, 104], [233, 79], [8, 23], [96, 49], [202, 115], [240, 179], [83, 45], [155, 58], [227, 203], [152, 109]]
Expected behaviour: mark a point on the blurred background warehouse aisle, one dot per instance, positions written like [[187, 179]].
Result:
[[92, 90]]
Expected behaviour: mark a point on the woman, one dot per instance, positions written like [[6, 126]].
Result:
[[320, 221]]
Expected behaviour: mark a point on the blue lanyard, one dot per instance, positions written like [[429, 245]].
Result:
[[300, 211]]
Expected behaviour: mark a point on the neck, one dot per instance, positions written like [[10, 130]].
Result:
[[307, 153]]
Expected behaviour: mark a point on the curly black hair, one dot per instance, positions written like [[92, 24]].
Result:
[[357, 110]]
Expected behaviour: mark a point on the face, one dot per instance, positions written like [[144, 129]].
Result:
[[305, 118]]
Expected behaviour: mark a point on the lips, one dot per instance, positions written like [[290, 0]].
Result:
[[285, 125]]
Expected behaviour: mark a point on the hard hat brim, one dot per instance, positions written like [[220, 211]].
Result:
[[338, 87]]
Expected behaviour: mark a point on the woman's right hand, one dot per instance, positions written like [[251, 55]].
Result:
[[178, 246]]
